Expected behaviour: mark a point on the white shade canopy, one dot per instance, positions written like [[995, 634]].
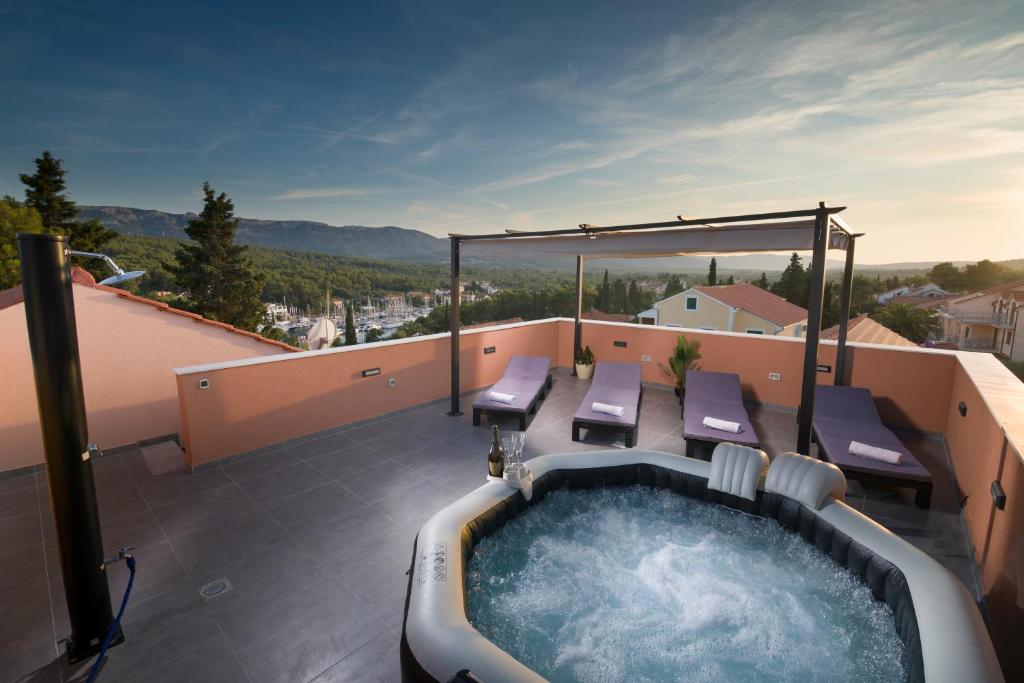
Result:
[[797, 235]]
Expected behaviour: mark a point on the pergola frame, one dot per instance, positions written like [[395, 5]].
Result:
[[826, 221]]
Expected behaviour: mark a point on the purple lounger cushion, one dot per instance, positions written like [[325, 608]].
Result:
[[693, 422], [715, 394], [524, 377], [616, 384], [845, 414]]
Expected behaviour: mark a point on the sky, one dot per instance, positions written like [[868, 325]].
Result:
[[474, 117]]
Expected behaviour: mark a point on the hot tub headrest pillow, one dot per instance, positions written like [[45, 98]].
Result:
[[804, 479], [737, 470]]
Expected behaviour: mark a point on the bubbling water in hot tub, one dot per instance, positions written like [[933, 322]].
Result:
[[644, 584]]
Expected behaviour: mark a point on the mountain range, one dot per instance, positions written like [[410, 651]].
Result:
[[392, 242], [388, 242]]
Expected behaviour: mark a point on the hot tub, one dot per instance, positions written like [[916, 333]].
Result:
[[932, 619]]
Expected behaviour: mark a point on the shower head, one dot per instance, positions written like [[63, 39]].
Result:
[[119, 275], [122, 277]]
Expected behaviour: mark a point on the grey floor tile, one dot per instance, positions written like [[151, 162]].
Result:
[[23, 567], [203, 509], [18, 530], [19, 501], [267, 487], [232, 540], [382, 479], [174, 486], [375, 662], [304, 636], [242, 468], [315, 509], [343, 462], [27, 639], [215, 662]]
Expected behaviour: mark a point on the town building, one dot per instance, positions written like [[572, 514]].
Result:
[[730, 308]]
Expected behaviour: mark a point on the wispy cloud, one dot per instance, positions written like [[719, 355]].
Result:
[[677, 179], [325, 192]]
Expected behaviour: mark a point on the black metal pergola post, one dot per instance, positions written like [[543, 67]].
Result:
[[805, 412], [453, 309], [844, 313], [577, 333]]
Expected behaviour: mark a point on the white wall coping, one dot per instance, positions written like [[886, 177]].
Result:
[[242, 362]]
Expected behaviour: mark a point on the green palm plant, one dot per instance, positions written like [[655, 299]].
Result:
[[684, 357], [907, 321]]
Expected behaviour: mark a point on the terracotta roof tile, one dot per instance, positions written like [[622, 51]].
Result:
[[80, 276], [760, 302], [594, 314], [865, 330]]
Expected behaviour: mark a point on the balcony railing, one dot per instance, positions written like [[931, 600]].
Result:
[[994, 319]]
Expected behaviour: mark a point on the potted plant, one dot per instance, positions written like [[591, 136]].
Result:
[[684, 357], [584, 363]]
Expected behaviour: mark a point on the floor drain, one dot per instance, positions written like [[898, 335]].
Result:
[[215, 588]]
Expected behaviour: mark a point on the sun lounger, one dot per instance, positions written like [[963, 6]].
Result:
[[527, 379], [846, 414], [614, 384], [715, 395]]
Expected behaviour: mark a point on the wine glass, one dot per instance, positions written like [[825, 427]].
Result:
[[508, 442]]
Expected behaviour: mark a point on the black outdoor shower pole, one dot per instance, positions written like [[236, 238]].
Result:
[[844, 313], [53, 340], [805, 412], [453, 307], [577, 330]]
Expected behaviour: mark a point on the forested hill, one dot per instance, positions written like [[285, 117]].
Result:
[[351, 240]]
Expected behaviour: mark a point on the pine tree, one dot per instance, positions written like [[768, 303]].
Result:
[[713, 273], [793, 285], [216, 272], [604, 295], [44, 192], [763, 282], [350, 326], [731, 280]]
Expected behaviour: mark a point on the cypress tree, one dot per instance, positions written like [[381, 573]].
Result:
[[350, 326], [217, 274], [713, 272], [763, 282], [604, 295]]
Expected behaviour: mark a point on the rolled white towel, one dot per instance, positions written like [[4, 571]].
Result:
[[499, 397], [607, 409], [722, 425], [867, 451]]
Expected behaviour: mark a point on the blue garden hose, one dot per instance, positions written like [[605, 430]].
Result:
[[115, 626]]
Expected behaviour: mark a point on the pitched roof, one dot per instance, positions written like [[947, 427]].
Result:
[[864, 329], [918, 301], [760, 302], [594, 314], [1004, 290], [80, 276]]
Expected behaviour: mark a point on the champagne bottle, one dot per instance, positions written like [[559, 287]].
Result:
[[495, 456]]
